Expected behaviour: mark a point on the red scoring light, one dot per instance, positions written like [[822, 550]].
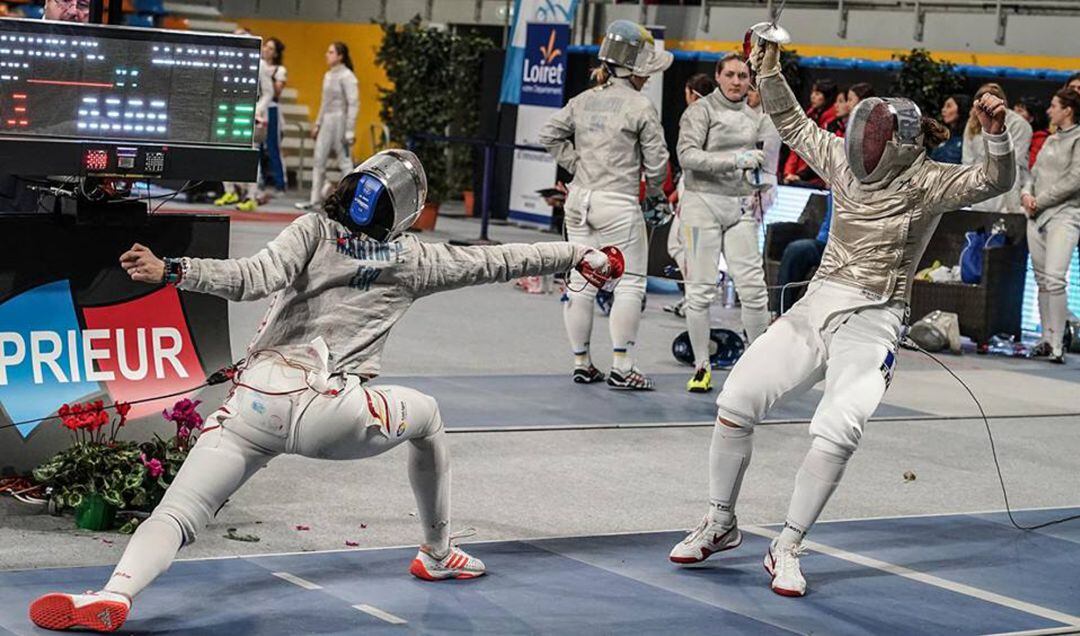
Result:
[[96, 160], [20, 109], [19, 96], [11, 122], [23, 122]]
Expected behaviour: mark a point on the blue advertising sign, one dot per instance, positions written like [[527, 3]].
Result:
[[543, 71]]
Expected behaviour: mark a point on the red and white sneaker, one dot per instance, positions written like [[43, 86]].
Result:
[[455, 565], [706, 540], [782, 564], [94, 611]]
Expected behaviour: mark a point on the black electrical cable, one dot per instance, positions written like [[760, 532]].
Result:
[[907, 343]]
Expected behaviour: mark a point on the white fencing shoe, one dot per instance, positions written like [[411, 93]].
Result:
[[93, 611], [782, 564], [706, 540]]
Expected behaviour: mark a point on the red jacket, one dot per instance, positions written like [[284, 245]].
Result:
[[1038, 138], [795, 165]]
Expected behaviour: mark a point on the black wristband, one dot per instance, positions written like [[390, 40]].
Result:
[[174, 271]]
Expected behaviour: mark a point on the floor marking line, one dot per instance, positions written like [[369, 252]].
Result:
[[929, 579], [1049, 631], [382, 615], [296, 580]]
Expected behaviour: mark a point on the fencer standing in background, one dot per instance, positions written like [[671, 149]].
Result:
[[335, 127], [605, 137], [340, 281], [728, 151], [845, 330]]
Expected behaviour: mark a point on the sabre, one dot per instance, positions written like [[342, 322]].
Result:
[[769, 31]]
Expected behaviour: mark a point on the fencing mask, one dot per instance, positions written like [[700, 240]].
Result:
[[629, 46], [389, 192], [883, 138]]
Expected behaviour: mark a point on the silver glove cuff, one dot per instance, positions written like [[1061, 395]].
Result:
[[776, 95]]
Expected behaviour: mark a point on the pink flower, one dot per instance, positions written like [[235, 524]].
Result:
[[153, 466]]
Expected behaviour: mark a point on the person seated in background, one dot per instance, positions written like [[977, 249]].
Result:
[[846, 101], [822, 112], [801, 257], [1034, 111], [952, 111], [974, 150], [1073, 82], [67, 10]]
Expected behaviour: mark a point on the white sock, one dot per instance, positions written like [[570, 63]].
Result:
[[149, 553], [578, 319], [623, 323], [815, 482], [429, 475], [697, 326], [729, 457]]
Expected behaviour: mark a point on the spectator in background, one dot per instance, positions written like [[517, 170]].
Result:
[[846, 101], [67, 10], [974, 150], [335, 127], [822, 112], [1051, 199], [952, 115], [1035, 112], [1073, 82]]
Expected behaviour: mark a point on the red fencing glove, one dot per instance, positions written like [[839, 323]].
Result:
[[602, 268]]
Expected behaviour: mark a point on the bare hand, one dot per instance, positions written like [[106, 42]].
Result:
[[141, 264], [314, 131], [990, 110], [1030, 206], [791, 178]]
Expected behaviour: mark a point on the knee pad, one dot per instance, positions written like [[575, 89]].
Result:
[[186, 523], [740, 430], [829, 447]]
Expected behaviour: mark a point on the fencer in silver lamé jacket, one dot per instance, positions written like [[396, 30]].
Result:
[[1055, 177], [880, 231], [606, 136], [712, 131], [351, 290]]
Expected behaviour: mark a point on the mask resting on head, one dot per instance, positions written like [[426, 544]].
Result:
[[388, 197], [883, 138], [631, 49]]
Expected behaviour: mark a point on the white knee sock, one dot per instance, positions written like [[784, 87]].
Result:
[[697, 325], [578, 318], [429, 474], [149, 553], [729, 457], [623, 323], [815, 482]]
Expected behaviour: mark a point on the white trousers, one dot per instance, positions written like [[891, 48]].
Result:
[[251, 428], [1051, 249], [599, 219], [825, 335], [714, 225], [330, 140]]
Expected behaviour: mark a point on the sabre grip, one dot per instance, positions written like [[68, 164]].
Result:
[[602, 268]]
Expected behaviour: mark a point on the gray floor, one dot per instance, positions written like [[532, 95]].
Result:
[[512, 485]]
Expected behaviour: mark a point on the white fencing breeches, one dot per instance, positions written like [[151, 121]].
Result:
[[1051, 253], [713, 225], [251, 428], [599, 219], [330, 140]]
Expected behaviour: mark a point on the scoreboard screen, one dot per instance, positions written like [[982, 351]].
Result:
[[61, 80]]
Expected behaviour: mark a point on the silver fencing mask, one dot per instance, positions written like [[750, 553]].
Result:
[[389, 194], [883, 137], [628, 45]]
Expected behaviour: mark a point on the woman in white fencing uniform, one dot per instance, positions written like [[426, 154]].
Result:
[[888, 200], [335, 127], [606, 137], [722, 142], [973, 153], [1051, 198], [340, 282]]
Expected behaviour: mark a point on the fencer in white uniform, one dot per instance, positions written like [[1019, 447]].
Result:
[[335, 126], [606, 137], [722, 151], [845, 330], [340, 282]]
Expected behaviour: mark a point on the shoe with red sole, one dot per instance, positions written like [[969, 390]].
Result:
[[455, 565], [782, 564], [94, 611], [706, 540]]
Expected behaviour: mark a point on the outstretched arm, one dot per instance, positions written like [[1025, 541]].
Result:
[[443, 267], [272, 269]]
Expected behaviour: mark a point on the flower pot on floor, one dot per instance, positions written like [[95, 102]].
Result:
[[426, 221], [470, 201], [94, 513]]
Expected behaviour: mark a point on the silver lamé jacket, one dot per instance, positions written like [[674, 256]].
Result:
[[880, 231], [606, 136]]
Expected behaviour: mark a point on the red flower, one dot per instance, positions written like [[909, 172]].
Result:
[[123, 408], [64, 411]]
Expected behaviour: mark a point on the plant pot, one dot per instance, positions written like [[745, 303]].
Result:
[[470, 201], [94, 513], [426, 221]]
